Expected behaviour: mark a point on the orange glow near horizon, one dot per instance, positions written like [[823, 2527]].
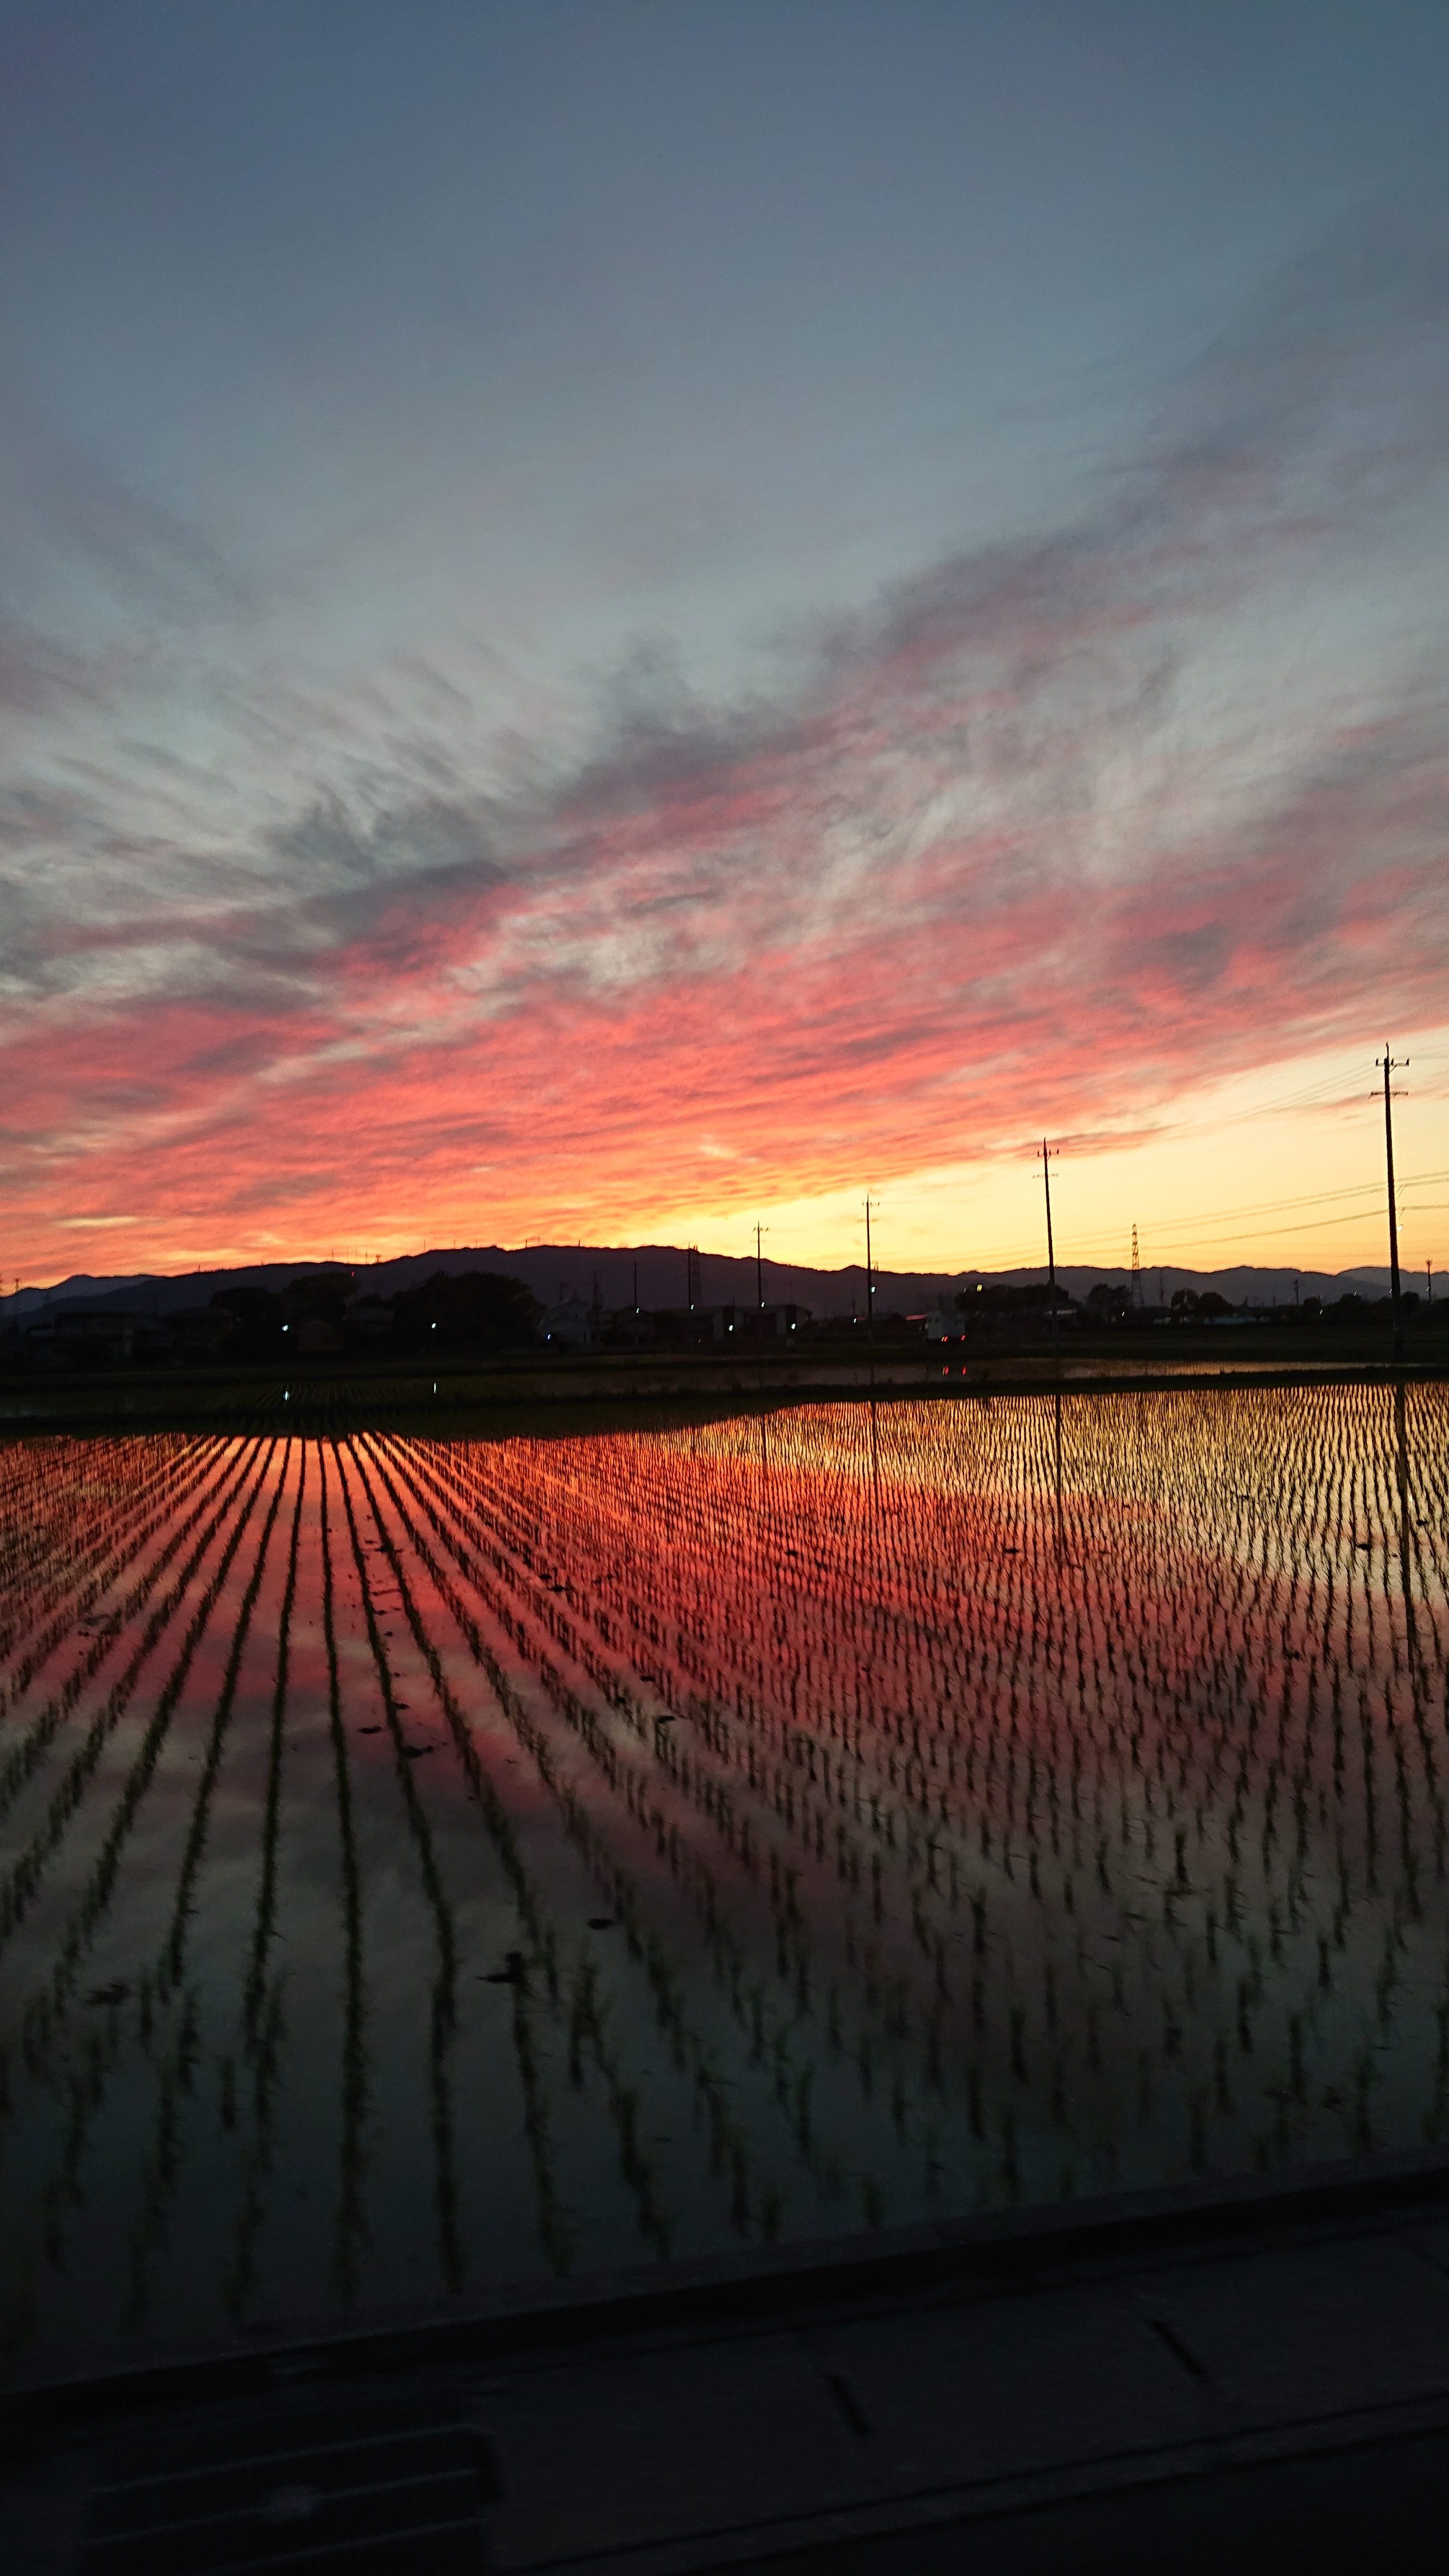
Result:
[[746, 719], [1252, 1173], [882, 934]]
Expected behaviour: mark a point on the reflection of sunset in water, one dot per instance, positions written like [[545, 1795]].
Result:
[[429, 1865]]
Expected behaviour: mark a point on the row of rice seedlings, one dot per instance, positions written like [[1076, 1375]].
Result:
[[778, 1884], [616, 1884], [100, 2053], [1062, 1776], [226, 1527], [46, 1488], [203, 1508], [55, 1518], [75, 1596], [261, 2034], [621, 1779], [164, 1980], [1155, 1683]]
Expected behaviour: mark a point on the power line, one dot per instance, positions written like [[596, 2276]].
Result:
[[1308, 1198], [1202, 1228]]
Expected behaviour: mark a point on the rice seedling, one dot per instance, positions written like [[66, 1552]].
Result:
[[875, 1811]]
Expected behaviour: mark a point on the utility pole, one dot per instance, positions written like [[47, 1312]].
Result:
[[869, 1296], [759, 1271], [1428, 1278], [1136, 1271], [1390, 1065], [636, 1305], [1048, 1157]]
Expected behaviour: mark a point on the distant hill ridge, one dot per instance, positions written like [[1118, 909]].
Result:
[[553, 1271]]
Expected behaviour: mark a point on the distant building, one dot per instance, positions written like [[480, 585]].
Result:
[[83, 1337], [739, 1324], [314, 1338], [368, 1314], [570, 1326], [200, 1332]]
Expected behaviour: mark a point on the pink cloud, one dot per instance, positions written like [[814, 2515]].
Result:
[[770, 1030], [993, 857]]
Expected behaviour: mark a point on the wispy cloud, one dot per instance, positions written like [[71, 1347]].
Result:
[[1048, 822]]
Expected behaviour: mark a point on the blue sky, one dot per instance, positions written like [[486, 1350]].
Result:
[[449, 455]]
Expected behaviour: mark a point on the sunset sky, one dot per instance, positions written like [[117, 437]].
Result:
[[626, 616]]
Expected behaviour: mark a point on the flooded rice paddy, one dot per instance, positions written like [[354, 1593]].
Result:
[[428, 1868]]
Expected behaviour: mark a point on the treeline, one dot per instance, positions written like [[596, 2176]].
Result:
[[1113, 1302], [472, 1310], [325, 1314]]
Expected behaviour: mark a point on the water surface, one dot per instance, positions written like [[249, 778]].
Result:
[[427, 1867]]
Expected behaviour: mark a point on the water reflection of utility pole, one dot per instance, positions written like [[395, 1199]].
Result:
[[1401, 1466], [1057, 1444], [351, 2226], [1391, 1065], [770, 1517]]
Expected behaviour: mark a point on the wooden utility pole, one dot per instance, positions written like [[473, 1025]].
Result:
[[1048, 1157], [1390, 1065], [869, 1296], [759, 1271]]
